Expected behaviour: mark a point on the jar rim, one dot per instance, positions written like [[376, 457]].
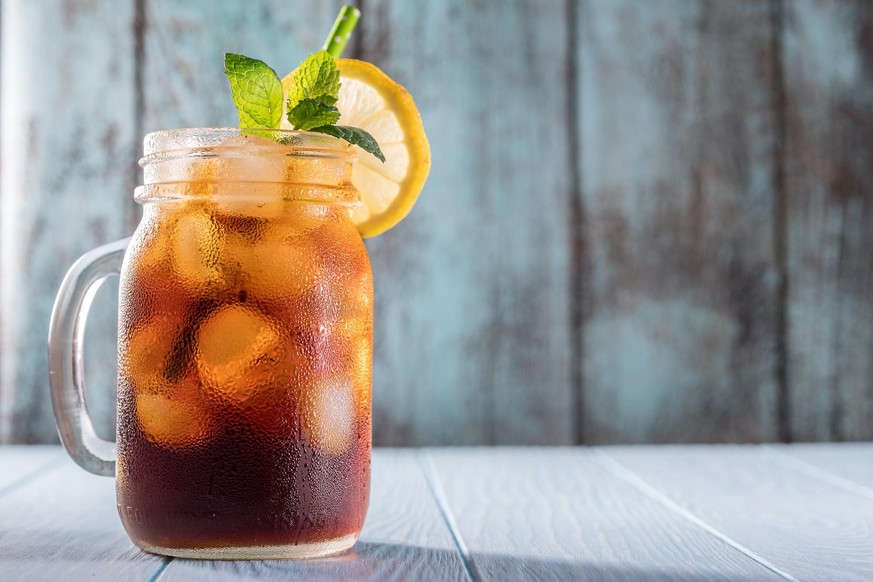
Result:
[[219, 141], [252, 164]]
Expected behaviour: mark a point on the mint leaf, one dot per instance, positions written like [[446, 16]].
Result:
[[355, 136], [309, 113], [256, 89], [311, 104], [317, 78]]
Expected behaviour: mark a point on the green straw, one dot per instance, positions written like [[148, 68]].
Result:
[[342, 29]]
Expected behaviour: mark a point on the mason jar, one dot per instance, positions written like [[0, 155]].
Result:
[[244, 349]]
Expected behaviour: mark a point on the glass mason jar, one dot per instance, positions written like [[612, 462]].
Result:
[[244, 350]]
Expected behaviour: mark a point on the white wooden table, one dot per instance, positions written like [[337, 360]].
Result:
[[801, 512]]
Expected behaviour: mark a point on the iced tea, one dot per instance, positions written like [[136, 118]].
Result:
[[245, 350]]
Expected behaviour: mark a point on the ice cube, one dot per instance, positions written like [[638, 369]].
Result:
[[177, 418], [339, 347], [150, 244], [355, 325], [148, 352], [276, 267], [258, 167], [196, 245], [360, 362], [330, 415], [240, 350], [344, 256]]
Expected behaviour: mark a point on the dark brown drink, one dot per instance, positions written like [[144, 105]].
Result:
[[245, 349]]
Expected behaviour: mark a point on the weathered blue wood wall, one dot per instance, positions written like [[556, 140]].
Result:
[[677, 160], [646, 221]]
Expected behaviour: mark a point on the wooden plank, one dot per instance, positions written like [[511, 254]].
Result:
[[63, 526], [404, 538], [68, 159], [806, 527], [183, 81], [558, 514], [852, 461], [20, 464], [472, 291], [677, 129], [829, 103]]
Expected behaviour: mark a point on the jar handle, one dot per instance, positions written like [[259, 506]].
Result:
[[66, 365]]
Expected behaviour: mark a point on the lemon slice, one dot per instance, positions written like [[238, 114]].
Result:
[[369, 99]]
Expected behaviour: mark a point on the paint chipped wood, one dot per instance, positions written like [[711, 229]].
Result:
[[69, 150], [677, 133], [472, 306], [645, 221], [829, 198]]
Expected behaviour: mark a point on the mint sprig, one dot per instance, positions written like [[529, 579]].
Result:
[[256, 91], [311, 98], [310, 104]]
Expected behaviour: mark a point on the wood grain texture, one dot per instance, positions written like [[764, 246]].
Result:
[[828, 51], [68, 157], [20, 464], [472, 339], [646, 221], [677, 133], [557, 514], [183, 81], [852, 461], [685, 513], [63, 526], [404, 538], [806, 527]]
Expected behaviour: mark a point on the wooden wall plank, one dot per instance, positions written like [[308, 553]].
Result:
[[557, 514], [828, 52], [183, 79], [404, 538], [677, 131], [67, 528], [806, 527], [67, 186], [472, 289]]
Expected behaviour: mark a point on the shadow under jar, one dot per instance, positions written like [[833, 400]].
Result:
[[245, 350]]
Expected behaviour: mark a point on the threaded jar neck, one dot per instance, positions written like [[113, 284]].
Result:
[[246, 164]]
